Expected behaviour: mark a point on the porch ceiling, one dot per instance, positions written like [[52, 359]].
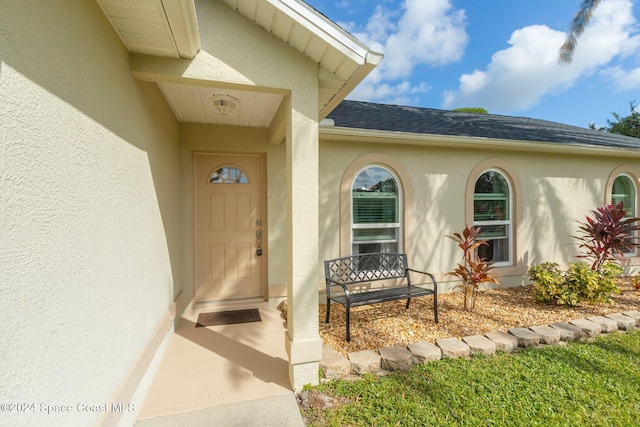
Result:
[[169, 28]]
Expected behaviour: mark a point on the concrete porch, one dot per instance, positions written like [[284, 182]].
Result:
[[223, 375]]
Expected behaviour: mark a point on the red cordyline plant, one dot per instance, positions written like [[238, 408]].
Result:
[[474, 270], [606, 234]]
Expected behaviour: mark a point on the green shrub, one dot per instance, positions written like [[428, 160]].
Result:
[[596, 285], [579, 283]]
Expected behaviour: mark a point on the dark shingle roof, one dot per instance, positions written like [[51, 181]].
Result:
[[397, 118]]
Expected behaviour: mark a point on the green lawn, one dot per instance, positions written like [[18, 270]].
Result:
[[593, 384]]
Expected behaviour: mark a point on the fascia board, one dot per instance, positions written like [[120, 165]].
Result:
[[349, 85], [325, 29], [450, 141], [181, 15]]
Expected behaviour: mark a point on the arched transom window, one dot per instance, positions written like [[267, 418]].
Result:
[[228, 175], [492, 213], [375, 208]]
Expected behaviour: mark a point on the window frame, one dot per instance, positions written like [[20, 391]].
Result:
[[242, 178], [518, 264], [627, 172], [507, 222], [391, 163], [397, 226]]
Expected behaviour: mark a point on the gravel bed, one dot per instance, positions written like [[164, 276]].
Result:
[[389, 324]]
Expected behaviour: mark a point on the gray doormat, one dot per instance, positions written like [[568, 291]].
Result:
[[228, 317]]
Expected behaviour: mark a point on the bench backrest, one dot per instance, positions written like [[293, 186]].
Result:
[[366, 268]]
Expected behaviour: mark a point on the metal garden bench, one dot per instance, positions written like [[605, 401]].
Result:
[[342, 274]]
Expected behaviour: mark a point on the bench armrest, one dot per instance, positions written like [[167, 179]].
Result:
[[331, 283], [433, 279]]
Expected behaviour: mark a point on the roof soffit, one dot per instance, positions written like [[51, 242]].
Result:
[[169, 28], [166, 28]]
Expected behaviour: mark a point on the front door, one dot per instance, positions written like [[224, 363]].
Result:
[[228, 226]]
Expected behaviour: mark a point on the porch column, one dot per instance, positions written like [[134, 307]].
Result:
[[302, 340]]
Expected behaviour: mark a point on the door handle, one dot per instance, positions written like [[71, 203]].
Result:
[[259, 242]]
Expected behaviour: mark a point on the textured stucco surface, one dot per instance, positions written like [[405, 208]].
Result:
[[557, 191], [88, 183]]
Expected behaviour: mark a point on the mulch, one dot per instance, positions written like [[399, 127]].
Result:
[[389, 324]]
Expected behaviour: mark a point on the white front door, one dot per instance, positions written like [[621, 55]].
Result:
[[228, 226]]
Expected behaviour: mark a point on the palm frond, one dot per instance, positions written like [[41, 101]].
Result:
[[579, 23]]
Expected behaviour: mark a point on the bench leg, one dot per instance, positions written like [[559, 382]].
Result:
[[348, 321], [348, 325], [326, 320], [435, 306], [408, 301]]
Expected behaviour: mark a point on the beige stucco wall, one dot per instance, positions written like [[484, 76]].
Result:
[[557, 190], [89, 196]]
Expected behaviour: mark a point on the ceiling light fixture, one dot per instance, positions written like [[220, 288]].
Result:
[[225, 104]]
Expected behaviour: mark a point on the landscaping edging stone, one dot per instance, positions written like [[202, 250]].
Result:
[[567, 331], [548, 335], [590, 329], [479, 344], [453, 348], [398, 358], [526, 337], [624, 322]]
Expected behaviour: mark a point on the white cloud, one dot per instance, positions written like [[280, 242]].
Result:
[[421, 33], [624, 80], [519, 76]]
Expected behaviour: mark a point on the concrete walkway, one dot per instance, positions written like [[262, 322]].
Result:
[[276, 411], [227, 375]]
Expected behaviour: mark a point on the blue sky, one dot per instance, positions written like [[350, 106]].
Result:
[[498, 54]]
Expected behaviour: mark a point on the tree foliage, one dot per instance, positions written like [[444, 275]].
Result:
[[629, 125], [475, 110]]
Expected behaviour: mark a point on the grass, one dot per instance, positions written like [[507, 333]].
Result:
[[595, 384]]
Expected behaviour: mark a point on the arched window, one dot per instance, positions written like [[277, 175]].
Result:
[[375, 212], [228, 175], [492, 212], [624, 190]]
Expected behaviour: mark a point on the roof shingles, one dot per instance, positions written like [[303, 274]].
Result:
[[397, 118]]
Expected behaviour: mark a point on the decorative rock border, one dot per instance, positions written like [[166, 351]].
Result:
[[397, 358]]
